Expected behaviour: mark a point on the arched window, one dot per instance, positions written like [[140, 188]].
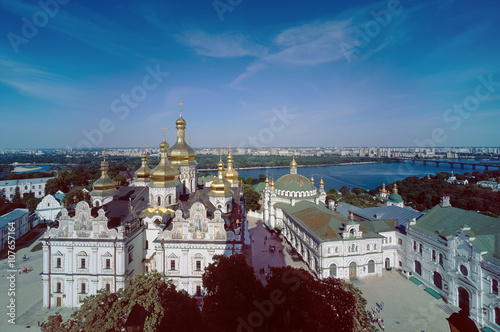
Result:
[[367, 247], [414, 245], [333, 271], [371, 266], [418, 268], [438, 280], [494, 287], [159, 200], [441, 259], [352, 232], [169, 199], [433, 255]]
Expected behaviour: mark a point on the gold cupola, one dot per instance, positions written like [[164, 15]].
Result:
[[220, 187], [181, 154], [312, 177], [231, 174], [164, 175], [104, 186], [321, 182], [383, 190], [143, 173], [293, 164]]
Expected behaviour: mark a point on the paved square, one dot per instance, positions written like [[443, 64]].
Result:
[[407, 307]]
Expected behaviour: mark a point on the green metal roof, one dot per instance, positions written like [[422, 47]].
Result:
[[259, 187], [445, 221], [294, 182], [321, 222], [395, 198]]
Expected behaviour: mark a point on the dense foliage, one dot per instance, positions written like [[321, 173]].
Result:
[[168, 309], [357, 196], [424, 193], [235, 300]]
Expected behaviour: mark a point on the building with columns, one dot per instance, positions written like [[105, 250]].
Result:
[[457, 254], [162, 222]]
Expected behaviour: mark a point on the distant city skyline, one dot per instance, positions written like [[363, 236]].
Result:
[[250, 74]]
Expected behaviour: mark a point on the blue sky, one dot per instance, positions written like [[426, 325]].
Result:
[[250, 73]]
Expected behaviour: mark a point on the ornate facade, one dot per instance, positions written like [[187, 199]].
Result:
[[163, 222]]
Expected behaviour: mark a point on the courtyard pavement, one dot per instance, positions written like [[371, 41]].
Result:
[[262, 257], [28, 289], [407, 307]]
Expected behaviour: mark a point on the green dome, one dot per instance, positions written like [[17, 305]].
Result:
[[395, 198], [294, 182]]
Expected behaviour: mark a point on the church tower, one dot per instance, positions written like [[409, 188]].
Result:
[[220, 194], [183, 158], [104, 187], [231, 174], [143, 173], [164, 180]]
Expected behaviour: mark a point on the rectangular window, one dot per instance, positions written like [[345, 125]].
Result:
[[414, 245], [58, 262], [84, 288], [108, 263], [108, 287], [198, 265], [441, 259], [198, 290], [58, 288], [433, 255], [420, 249], [82, 263], [130, 256], [172, 264], [400, 242]]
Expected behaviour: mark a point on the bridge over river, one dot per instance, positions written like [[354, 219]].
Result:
[[452, 164]]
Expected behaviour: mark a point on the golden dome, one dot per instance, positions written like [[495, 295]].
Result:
[[395, 189], [312, 177], [143, 172], [181, 154], [164, 175], [220, 187], [383, 190], [104, 186], [231, 174], [321, 182]]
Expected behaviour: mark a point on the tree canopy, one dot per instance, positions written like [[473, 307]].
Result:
[[168, 309]]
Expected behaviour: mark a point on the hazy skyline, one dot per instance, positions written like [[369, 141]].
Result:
[[250, 73]]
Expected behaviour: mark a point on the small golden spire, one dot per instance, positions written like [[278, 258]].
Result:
[[312, 176], [104, 153], [321, 182], [351, 216]]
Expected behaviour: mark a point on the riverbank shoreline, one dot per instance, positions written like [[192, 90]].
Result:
[[273, 167]]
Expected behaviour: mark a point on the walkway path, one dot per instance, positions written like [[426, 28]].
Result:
[[262, 257], [407, 307]]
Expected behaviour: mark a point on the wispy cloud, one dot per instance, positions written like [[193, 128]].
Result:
[[221, 46], [87, 27], [36, 82]]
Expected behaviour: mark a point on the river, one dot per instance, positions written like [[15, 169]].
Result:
[[366, 176]]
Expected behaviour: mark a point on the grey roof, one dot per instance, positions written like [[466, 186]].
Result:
[[391, 212], [23, 181], [11, 216]]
